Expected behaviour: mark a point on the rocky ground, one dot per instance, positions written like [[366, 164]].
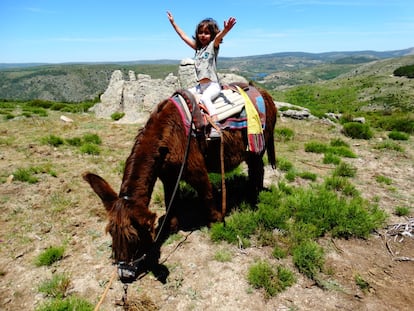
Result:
[[62, 210]]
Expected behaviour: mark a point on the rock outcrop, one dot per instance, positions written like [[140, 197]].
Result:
[[137, 95]]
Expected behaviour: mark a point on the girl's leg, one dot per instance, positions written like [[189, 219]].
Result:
[[209, 94]]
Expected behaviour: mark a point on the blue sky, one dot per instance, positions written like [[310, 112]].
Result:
[[56, 31]]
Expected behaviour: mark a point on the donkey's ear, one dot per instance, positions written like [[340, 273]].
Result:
[[101, 188]]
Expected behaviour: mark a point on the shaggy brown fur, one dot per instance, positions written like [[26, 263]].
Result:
[[158, 152]]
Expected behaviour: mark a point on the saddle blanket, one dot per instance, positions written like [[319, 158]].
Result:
[[232, 110], [230, 107]]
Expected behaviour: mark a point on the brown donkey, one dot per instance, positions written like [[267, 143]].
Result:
[[158, 152]]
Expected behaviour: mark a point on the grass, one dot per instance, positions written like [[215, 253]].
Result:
[[70, 304], [308, 257], [56, 287], [50, 256], [361, 283], [223, 256], [402, 211], [272, 279]]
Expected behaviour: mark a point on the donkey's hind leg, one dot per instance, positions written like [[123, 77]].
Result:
[[256, 175]]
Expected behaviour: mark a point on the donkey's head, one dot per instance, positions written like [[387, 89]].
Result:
[[131, 225]]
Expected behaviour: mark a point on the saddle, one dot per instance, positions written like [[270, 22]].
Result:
[[238, 106]]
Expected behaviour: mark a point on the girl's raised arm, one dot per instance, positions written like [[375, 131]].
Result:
[[181, 32]]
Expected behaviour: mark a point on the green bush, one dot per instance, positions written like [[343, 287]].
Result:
[[53, 140], [389, 145], [316, 147], [361, 283], [330, 158], [396, 135], [272, 279], [75, 141], [55, 287], [345, 170], [383, 179], [339, 183], [25, 175], [89, 148], [279, 253], [284, 134], [283, 164], [69, 304], [402, 211], [117, 116], [405, 71], [240, 225], [308, 176], [308, 257], [50, 256], [92, 139], [357, 130], [337, 142]]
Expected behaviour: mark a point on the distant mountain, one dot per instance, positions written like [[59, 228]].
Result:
[[75, 82]]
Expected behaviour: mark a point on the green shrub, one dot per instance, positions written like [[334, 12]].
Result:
[[239, 227], [383, 179], [339, 183], [345, 170], [290, 175], [92, 139], [75, 141], [330, 158], [53, 140], [396, 135], [389, 145], [279, 253], [342, 151], [308, 176], [58, 106], [69, 304], [222, 256], [357, 130], [272, 280], [39, 103], [117, 116], [25, 175], [337, 142], [284, 134], [405, 71], [283, 164], [361, 283], [402, 211], [90, 148], [316, 147], [50, 256], [55, 287], [308, 257]]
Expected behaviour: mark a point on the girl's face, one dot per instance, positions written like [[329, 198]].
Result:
[[204, 35]]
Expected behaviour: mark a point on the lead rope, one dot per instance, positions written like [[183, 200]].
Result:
[[106, 290], [223, 180]]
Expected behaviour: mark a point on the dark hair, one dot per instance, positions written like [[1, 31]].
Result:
[[211, 25]]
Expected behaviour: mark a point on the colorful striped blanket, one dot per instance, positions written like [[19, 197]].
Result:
[[232, 112]]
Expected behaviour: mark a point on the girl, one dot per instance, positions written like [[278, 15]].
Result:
[[206, 43]]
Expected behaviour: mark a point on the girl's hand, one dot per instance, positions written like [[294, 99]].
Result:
[[170, 17], [229, 23]]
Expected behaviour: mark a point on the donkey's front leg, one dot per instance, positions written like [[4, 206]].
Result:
[[197, 177]]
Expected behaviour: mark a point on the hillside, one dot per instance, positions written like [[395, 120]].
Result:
[[80, 82], [59, 209]]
